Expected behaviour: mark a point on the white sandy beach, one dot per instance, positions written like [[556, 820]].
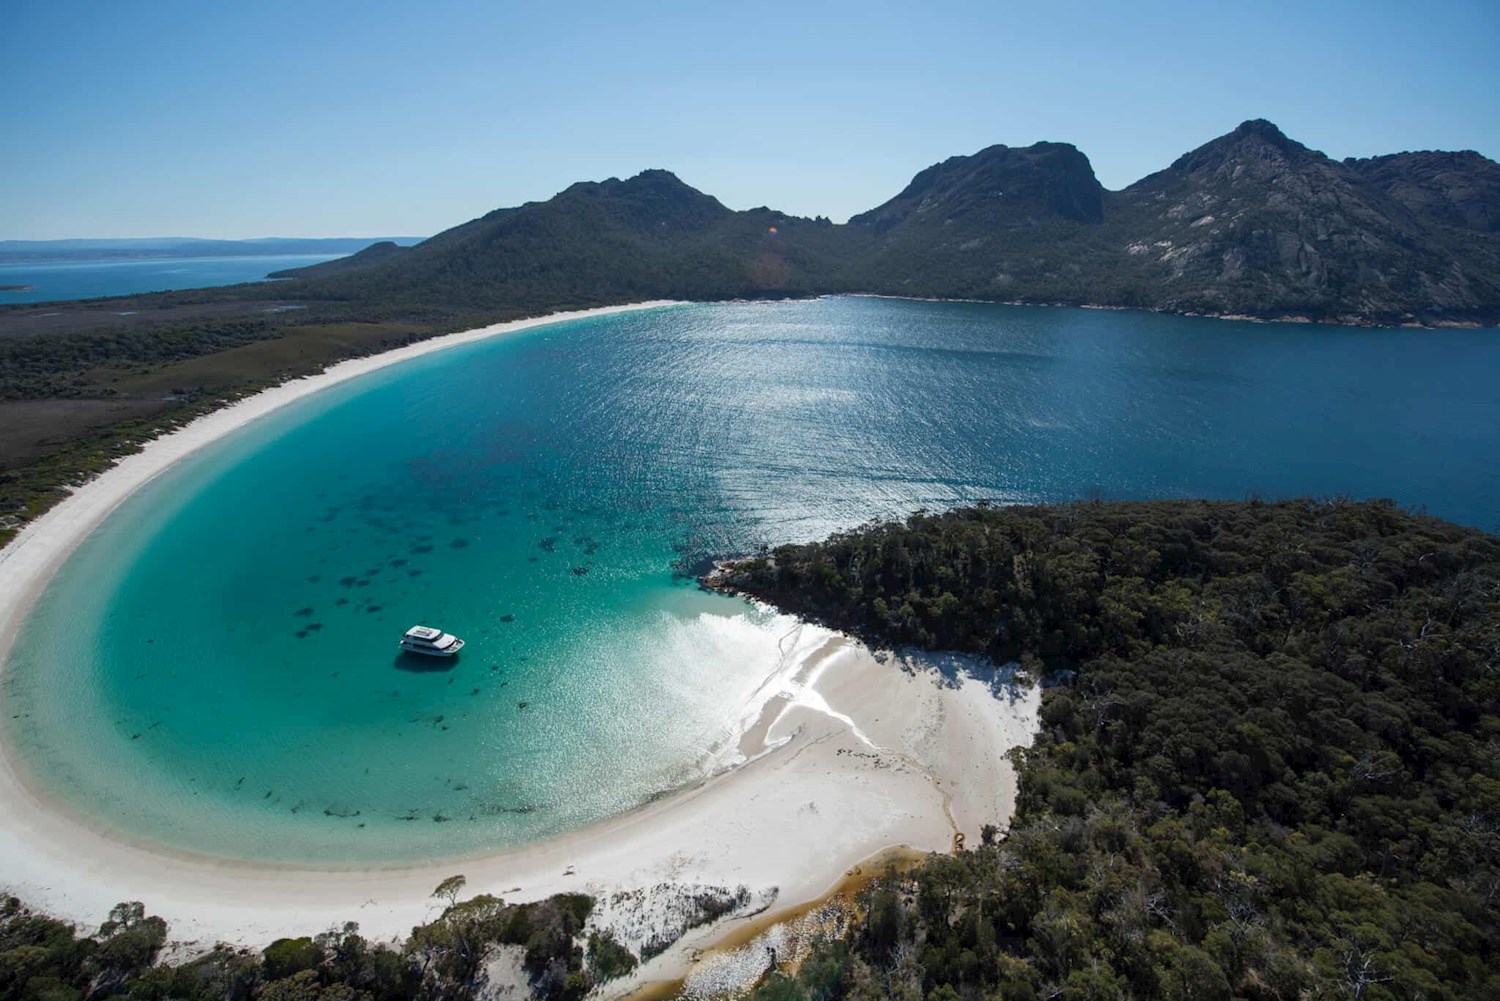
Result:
[[850, 755]]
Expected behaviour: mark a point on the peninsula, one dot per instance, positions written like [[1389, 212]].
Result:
[[1262, 771]]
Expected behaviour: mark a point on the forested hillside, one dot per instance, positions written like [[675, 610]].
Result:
[[1268, 765], [1251, 223], [648, 237]]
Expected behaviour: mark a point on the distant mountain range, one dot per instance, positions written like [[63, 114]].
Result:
[[13, 251], [1252, 224]]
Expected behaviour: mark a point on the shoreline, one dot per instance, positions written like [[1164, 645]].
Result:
[[850, 756], [853, 758], [1358, 323]]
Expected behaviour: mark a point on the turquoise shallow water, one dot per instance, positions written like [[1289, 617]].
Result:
[[215, 668]]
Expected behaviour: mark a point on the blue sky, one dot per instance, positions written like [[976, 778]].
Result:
[[328, 118]]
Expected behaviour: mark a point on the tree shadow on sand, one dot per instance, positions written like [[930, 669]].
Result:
[[1005, 681]]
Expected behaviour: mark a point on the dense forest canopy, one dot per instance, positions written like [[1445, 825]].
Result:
[[1269, 764]]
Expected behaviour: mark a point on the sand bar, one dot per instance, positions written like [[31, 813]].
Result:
[[846, 755]]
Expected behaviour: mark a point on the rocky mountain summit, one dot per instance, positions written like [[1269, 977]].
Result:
[[1256, 223], [998, 186]]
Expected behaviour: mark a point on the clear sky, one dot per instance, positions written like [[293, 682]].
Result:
[[311, 118]]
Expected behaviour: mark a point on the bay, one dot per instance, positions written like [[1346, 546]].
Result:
[[215, 668]]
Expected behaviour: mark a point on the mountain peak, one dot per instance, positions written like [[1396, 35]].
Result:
[[1254, 142], [658, 175], [1001, 185], [1260, 128], [652, 179], [653, 199]]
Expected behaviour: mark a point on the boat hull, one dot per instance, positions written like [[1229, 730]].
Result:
[[427, 651]]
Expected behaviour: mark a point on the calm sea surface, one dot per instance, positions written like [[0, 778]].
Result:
[[55, 280], [216, 667]]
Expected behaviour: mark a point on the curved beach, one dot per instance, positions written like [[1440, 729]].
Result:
[[849, 756]]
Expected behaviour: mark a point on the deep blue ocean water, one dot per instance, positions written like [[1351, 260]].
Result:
[[58, 280], [215, 668]]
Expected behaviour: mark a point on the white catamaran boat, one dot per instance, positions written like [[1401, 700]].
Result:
[[430, 641]]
